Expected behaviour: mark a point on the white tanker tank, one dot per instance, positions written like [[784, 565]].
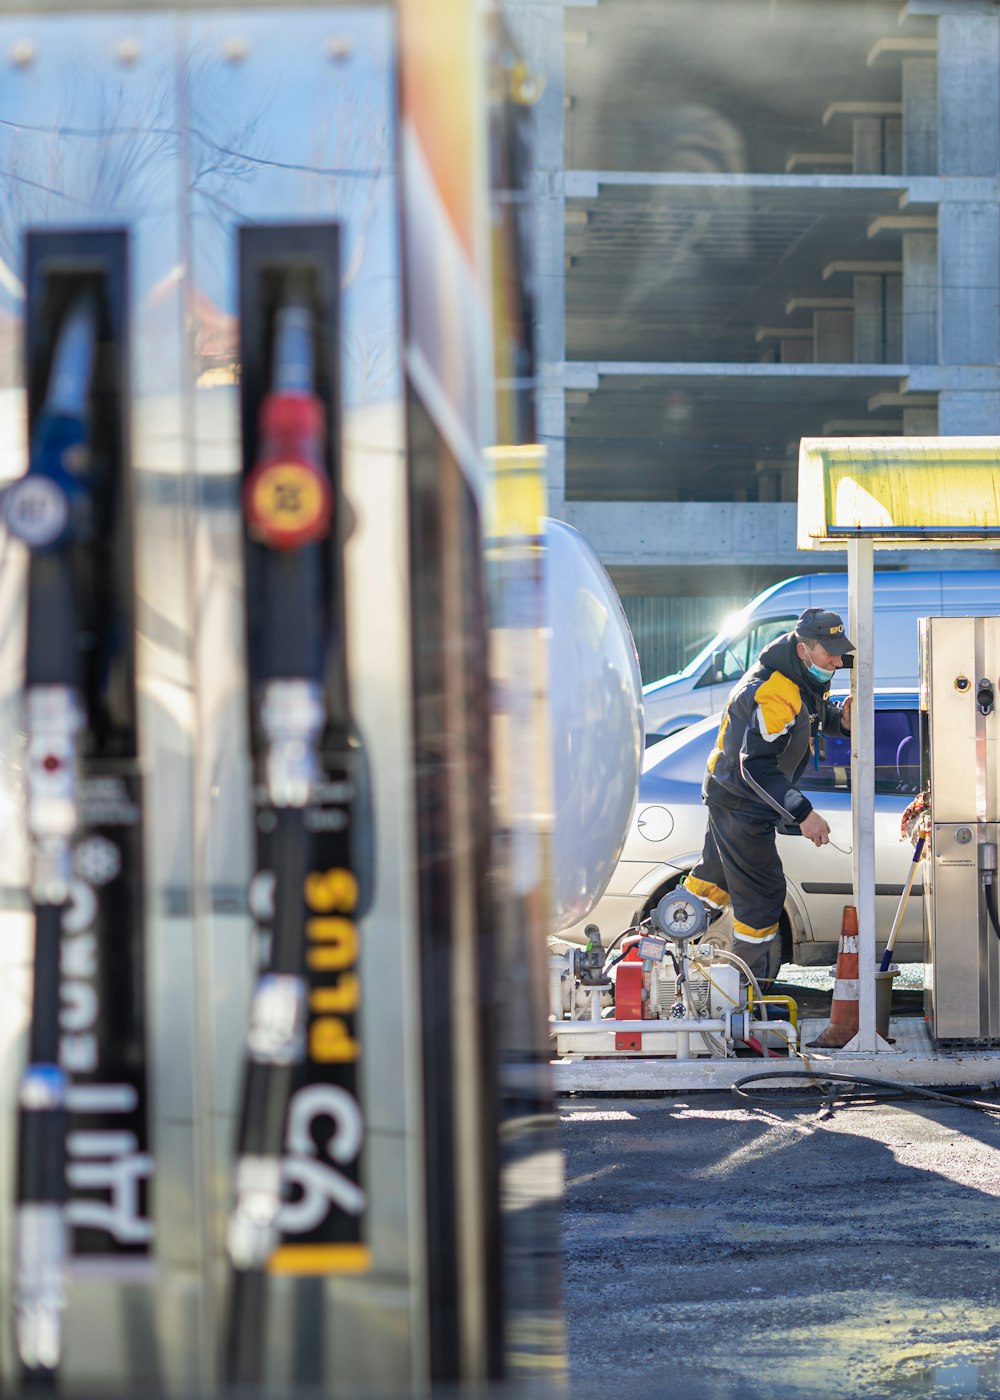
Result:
[[596, 723]]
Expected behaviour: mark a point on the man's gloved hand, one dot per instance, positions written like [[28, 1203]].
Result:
[[816, 829]]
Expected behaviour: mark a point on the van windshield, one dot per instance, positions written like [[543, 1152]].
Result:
[[740, 649], [708, 650]]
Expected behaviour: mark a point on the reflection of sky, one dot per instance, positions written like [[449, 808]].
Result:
[[284, 134]]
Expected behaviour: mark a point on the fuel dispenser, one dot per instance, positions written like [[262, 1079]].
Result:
[[252, 952], [314, 848], [959, 671]]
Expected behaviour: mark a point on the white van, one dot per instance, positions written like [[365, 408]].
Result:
[[900, 598]]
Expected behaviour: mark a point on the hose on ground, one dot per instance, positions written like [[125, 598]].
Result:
[[878, 1091]]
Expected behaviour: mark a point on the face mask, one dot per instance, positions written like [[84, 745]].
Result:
[[820, 674]]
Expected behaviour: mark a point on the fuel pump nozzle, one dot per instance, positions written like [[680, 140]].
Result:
[[288, 502], [289, 505], [49, 511], [987, 861]]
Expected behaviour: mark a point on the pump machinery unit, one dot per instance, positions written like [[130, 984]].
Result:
[[666, 988]]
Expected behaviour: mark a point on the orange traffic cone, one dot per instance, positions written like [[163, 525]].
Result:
[[844, 1007]]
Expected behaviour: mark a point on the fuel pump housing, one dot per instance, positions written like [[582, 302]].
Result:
[[959, 666]]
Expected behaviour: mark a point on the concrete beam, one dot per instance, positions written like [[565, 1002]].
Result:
[[783, 333], [863, 266], [673, 533], [577, 375], [902, 223], [845, 159], [794, 304], [862, 109], [913, 8], [585, 374], [953, 378], [889, 400], [897, 48], [862, 427]]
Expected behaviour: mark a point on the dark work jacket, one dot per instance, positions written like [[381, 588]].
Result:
[[766, 736]]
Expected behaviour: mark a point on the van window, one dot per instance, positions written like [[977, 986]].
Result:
[[741, 653], [897, 758]]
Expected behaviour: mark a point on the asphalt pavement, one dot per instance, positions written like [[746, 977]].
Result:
[[718, 1250]]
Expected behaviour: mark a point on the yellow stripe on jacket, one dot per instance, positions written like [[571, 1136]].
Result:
[[713, 757], [778, 702]]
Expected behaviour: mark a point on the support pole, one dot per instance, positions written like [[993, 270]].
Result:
[[861, 623]]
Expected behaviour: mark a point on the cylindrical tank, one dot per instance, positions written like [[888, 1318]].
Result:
[[597, 737]]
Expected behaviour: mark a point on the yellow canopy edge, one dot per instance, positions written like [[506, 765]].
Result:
[[899, 491]]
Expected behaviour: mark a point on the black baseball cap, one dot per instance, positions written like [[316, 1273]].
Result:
[[818, 625]]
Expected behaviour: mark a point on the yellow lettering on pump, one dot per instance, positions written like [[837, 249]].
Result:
[[335, 891], [343, 997], [330, 1043], [341, 936]]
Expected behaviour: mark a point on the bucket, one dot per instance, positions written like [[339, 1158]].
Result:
[[883, 1000]]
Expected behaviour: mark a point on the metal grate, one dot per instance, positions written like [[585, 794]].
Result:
[[669, 631]]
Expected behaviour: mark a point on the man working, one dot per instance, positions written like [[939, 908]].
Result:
[[766, 736]]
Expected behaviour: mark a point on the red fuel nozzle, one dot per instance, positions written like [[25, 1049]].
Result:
[[288, 498]]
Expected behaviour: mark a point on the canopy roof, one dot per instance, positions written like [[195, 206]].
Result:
[[899, 491]]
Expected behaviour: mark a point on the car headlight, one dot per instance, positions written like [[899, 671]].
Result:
[[655, 823]]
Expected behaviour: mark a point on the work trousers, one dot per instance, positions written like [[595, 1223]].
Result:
[[739, 863]]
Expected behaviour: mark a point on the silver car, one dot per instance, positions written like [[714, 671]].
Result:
[[668, 829]]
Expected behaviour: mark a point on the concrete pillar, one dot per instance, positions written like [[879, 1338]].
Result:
[[794, 350], [968, 414], [892, 146], [920, 116], [969, 83], [867, 145], [834, 337], [920, 299], [892, 295], [970, 283], [868, 320], [920, 422], [537, 28]]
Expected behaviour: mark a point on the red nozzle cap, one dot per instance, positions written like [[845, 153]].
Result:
[[293, 415]]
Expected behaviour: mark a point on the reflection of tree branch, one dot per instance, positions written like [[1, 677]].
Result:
[[15, 178], [97, 133], [216, 163], [106, 165], [353, 140], [326, 171], [222, 204]]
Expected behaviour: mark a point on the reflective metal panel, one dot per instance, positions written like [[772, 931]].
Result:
[[289, 116], [88, 140], [961, 660], [178, 128]]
